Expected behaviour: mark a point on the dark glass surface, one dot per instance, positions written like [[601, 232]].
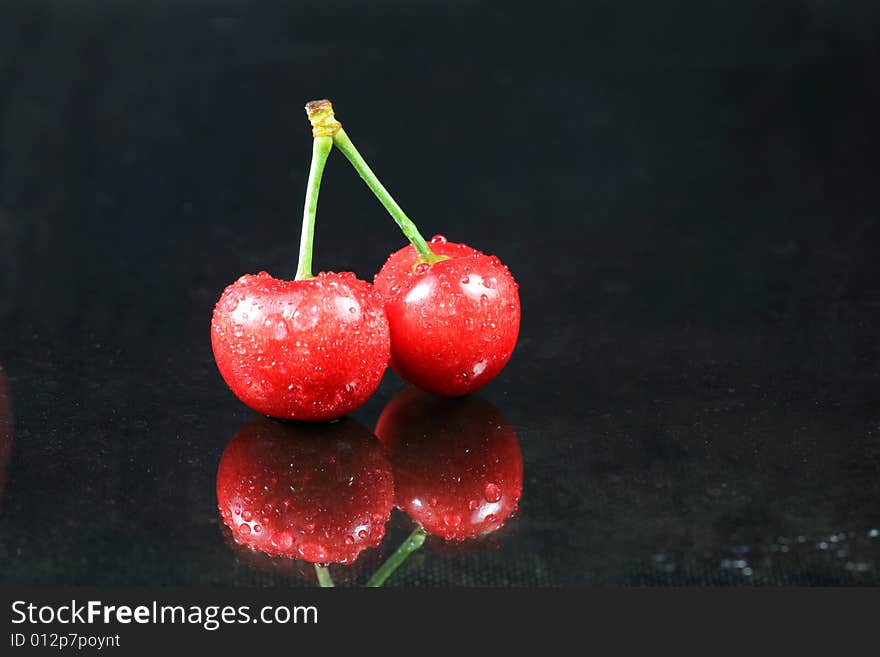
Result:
[[687, 197]]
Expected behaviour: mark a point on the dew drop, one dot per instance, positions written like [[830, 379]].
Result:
[[492, 492], [314, 552], [451, 519], [278, 326], [283, 540], [439, 239]]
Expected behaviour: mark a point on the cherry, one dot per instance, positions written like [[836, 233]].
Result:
[[453, 311], [457, 468], [5, 431], [453, 324], [322, 494], [457, 463], [311, 349]]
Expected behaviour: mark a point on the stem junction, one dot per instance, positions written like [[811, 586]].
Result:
[[325, 124], [324, 578]]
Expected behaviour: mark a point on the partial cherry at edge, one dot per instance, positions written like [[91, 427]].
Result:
[[454, 324], [310, 350]]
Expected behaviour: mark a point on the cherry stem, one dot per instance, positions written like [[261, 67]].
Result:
[[324, 578], [325, 124], [344, 144], [320, 151], [410, 545]]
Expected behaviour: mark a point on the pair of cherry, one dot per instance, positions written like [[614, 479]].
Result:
[[323, 494], [445, 315]]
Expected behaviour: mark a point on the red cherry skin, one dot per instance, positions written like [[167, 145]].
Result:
[[458, 469], [322, 494], [309, 350], [5, 431], [283, 568], [454, 324]]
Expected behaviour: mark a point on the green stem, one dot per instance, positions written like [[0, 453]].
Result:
[[410, 545], [343, 143], [320, 151], [324, 579]]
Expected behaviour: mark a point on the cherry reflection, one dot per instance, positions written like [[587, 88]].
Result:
[[457, 463], [294, 569], [5, 432], [322, 494]]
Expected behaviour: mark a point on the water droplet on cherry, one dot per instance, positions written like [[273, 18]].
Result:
[[452, 519], [283, 540]]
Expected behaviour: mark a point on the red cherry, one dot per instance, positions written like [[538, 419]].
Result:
[[454, 323], [5, 431], [310, 350], [457, 464], [321, 494]]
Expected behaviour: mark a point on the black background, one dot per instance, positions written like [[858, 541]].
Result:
[[686, 193]]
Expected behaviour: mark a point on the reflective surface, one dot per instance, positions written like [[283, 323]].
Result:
[[692, 224], [318, 493], [458, 469]]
